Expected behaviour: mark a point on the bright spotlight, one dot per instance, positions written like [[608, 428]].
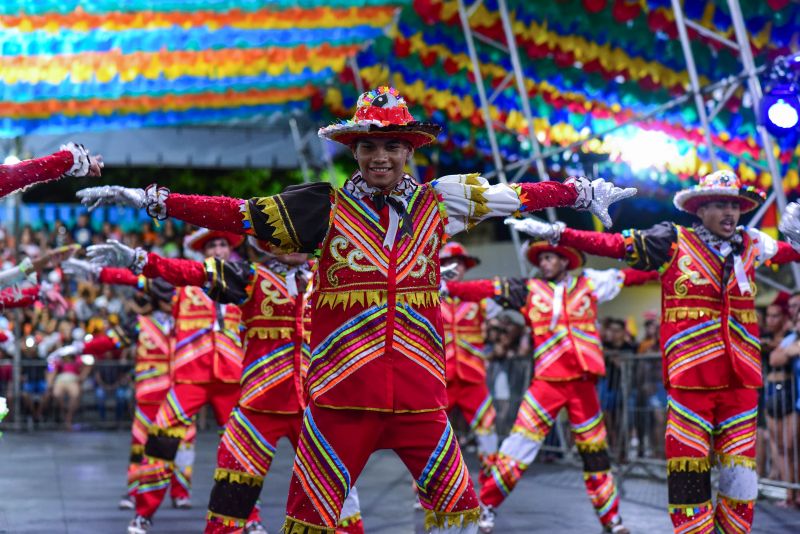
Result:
[[11, 160], [647, 149]]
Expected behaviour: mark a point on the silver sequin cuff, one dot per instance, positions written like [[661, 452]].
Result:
[[585, 193], [139, 260]]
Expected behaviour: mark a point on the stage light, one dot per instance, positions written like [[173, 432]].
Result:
[[645, 149], [11, 160], [780, 107], [780, 111]]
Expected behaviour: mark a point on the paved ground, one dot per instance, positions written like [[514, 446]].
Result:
[[70, 483]]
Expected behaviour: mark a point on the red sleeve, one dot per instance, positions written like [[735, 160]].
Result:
[[535, 196], [214, 213], [118, 276], [3, 337], [176, 272], [597, 243], [472, 291], [23, 174], [635, 277], [12, 297], [99, 345], [785, 254]]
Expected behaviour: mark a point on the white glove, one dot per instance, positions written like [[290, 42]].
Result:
[[537, 228], [596, 196], [790, 224], [115, 254], [81, 268], [112, 195]]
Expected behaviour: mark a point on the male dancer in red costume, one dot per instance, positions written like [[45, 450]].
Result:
[[153, 378], [463, 346], [376, 377], [207, 366], [709, 338], [568, 359], [273, 296]]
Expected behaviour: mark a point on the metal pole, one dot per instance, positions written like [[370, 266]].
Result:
[[356, 73], [756, 95], [299, 146], [487, 118], [536, 150], [691, 68], [762, 210]]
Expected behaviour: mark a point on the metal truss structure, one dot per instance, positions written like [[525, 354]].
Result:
[[707, 108]]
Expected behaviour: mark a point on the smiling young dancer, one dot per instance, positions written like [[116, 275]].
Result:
[[377, 376], [709, 339]]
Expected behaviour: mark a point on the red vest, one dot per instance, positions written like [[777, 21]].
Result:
[[377, 326], [572, 349], [709, 334], [205, 353], [464, 340], [276, 354], [153, 353]]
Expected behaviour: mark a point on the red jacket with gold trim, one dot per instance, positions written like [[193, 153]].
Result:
[[276, 325], [464, 339], [567, 347], [709, 334]]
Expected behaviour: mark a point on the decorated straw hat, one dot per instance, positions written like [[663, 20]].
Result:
[[382, 112], [574, 256], [453, 250], [719, 185], [197, 240]]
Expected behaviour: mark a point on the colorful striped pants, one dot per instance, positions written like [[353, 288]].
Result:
[[695, 418], [172, 423], [243, 460], [335, 445], [535, 418], [181, 481], [475, 403]]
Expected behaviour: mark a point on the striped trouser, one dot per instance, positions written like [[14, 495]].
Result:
[[535, 418], [695, 419]]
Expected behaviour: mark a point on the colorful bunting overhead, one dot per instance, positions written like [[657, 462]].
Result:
[[590, 66], [69, 65]]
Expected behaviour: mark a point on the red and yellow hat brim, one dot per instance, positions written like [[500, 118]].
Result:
[[574, 256], [198, 240]]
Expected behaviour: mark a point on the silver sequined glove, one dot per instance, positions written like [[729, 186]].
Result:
[[537, 228], [790, 224], [596, 196], [82, 269], [112, 195], [115, 254]]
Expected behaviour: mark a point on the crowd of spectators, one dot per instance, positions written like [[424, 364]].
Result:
[[52, 392]]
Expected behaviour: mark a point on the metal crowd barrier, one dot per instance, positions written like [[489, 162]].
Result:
[[634, 402], [25, 385]]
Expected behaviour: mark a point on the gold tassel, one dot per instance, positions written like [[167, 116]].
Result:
[[735, 502], [535, 436], [685, 463], [237, 477], [295, 526], [351, 520], [276, 332], [137, 449], [192, 324], [442, 520], [730, 460], [591, 446], [367, 298], [171, 432]]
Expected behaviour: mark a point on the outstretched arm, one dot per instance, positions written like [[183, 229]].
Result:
[[635, 277], [468, 199], [509, 292], [71, 160], [295, 220], [18, 298], [224, 281]]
